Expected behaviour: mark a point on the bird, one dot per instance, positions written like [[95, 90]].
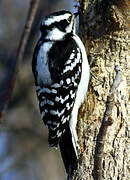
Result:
[[61, 74]]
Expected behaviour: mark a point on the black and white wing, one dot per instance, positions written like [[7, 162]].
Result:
[[56, 100]]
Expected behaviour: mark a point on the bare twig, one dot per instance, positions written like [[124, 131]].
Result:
[[107, 121], [20, 51], [25, 35]]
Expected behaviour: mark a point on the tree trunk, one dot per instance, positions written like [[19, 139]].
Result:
[[103, 27]]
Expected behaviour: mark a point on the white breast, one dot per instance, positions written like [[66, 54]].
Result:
[[43, 74]]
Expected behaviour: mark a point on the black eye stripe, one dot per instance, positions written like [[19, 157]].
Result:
[[61, 25]]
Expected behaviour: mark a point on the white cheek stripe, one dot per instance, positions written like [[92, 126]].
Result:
[[55, 34]]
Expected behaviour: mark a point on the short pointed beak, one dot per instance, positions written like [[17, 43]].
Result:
[[73, 17], [73, 20]]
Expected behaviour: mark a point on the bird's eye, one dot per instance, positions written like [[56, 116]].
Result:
[[62, 25], [69, 19]]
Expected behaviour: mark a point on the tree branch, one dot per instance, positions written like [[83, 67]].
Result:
[[106, 122], [27, 28], [20, 52]]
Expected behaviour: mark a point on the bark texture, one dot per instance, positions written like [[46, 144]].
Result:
[[104, 29]]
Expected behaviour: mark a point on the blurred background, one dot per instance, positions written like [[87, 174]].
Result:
[[24, 150]]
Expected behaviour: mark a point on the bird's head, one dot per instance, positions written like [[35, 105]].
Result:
[[57, 25]]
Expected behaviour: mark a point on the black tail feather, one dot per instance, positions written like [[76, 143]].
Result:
[[68, 152]]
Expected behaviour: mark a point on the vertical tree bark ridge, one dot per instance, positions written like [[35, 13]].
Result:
[[104, 31]]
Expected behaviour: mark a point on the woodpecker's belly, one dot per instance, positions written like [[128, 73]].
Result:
[[43, 74]]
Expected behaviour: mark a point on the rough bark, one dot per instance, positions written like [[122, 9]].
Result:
[[104, 29]]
